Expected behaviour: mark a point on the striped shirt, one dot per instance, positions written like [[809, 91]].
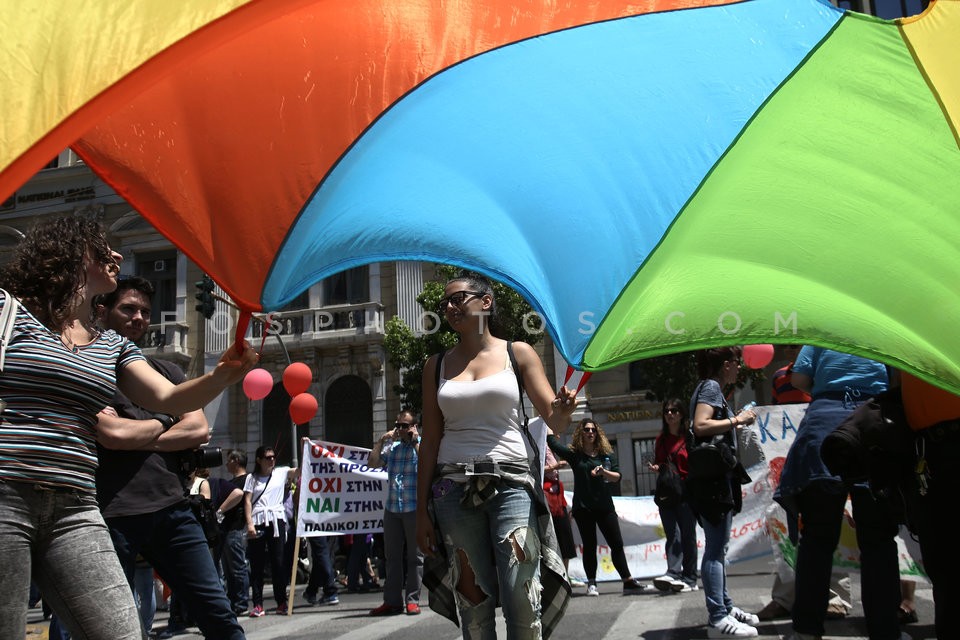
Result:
[[53, 395], [400, 461]]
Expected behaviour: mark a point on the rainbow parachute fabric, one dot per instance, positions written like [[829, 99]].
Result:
[[653, 176]]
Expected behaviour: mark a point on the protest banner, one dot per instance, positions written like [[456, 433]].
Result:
[[339, 493], [759, 529]]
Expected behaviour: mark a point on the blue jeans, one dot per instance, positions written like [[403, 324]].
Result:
[[321, 567], [145, 594], [60, 537], [236, 577], [172, 541], [712, 571], [493, 528], [403, 558], [680, 526]]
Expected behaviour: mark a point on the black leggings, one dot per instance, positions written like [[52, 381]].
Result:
[[587, 523], [257, 549]]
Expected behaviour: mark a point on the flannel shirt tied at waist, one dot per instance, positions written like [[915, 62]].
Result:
[[483, 479]]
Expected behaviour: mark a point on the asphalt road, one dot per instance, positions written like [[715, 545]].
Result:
[[612, 616]]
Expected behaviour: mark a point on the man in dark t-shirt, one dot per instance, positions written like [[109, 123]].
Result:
[[233, 541], [140, 484]]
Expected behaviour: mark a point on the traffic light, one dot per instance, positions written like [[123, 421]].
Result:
[[205, 296]]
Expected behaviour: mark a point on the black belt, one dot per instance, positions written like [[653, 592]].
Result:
[[490, 467]]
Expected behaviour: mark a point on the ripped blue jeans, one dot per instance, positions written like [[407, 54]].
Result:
[[486, 535]]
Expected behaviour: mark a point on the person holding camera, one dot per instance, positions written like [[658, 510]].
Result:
[[397, 451], [140, 487], [263, 496]]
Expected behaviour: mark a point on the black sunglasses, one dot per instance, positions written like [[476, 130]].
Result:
[[589, 430], [457, 299], [671, 410], [404, 425], [269, 457]]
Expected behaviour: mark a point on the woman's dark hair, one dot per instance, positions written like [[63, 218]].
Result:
[[480, 284], [710, 361], [674, 403], [48, 267], [261, 451]]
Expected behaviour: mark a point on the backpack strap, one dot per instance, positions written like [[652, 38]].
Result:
[[535, 467], [8, 318], [519, 374], [436, 374]]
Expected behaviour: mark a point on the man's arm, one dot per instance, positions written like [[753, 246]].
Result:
[[231, 501], [376, 453], [126, 434]]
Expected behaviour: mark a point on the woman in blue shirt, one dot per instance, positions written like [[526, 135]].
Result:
[[838, 382]]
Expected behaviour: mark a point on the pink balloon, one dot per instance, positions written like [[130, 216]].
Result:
[[257, 384], [302, 408], [757, 356], [297, 378]]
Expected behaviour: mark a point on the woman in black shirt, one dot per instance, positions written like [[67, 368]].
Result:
[[594, 466]]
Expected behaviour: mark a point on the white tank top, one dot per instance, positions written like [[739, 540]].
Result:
[[481, 418]]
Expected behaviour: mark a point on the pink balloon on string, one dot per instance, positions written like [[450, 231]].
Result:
[[297, 378], [257, 384], [757, 356], [302, 408]]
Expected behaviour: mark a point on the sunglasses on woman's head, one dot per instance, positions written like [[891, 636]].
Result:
[[457, 299]]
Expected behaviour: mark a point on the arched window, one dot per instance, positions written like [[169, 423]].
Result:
[[348, 412]]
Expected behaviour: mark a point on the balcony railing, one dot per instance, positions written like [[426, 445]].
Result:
[[365, 318], [167, 337]]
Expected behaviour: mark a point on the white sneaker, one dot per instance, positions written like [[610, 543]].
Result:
[[663, 583], [730, 628], [740, 615], [687, 588], [592, 590], [576, 582]]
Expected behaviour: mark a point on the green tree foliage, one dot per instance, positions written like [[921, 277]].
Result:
[[409, 352]]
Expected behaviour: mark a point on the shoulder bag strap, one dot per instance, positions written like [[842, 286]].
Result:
[[8, 318], [262, 491]]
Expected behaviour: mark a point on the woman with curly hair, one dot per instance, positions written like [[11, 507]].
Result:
[[595, 467], [679, 523], [60, 372]]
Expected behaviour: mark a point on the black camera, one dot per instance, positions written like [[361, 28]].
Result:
[[203, 458]]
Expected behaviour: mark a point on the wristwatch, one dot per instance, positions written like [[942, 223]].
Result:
[[165, 419]]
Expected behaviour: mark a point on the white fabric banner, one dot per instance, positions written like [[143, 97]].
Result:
[[760, 529], [339, 493]]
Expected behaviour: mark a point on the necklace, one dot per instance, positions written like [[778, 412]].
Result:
[[67, 340]]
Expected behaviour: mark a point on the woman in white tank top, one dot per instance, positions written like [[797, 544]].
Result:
[[475, 469]]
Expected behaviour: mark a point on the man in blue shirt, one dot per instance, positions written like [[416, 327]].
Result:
[[397, 452]]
